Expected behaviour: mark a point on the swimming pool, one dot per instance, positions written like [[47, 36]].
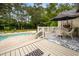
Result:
[[12, 35]]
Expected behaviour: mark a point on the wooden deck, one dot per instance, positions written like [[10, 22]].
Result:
[[49, 49]]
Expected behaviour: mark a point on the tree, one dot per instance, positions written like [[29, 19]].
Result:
[[5, 10], [15, 15], [36, 13], [54, 9], [63, 7]]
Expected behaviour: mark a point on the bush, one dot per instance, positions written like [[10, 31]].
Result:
[[7, 28], [29, 26], [54, 23]]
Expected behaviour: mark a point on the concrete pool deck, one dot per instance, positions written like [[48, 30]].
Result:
[[14, 41]]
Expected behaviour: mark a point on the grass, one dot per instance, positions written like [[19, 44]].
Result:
[[11, 31]]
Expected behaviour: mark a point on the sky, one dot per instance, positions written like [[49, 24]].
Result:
[[31, 4]]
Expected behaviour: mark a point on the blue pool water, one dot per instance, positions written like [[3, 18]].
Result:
[[12, 35]]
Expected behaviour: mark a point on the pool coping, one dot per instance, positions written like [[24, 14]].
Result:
[[2, 34]]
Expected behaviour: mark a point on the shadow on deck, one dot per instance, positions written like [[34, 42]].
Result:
[[65, 41]]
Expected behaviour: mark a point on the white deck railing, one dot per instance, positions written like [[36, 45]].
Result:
[[46, 29], [38, 34]]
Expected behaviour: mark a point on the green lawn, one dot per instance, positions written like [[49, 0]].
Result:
[[24, 30]]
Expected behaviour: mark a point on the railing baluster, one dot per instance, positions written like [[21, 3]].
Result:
[[45, 29]]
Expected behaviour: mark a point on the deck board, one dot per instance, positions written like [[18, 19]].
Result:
[[46, 53], [41, 46], [51, 48], [34, 46], [13, 53], [3, 55], [22, 52], [28, 49], [54, 51], [63, 50], [58, 48], [8, 54], [17, 52], [31, 47], [25, 50]]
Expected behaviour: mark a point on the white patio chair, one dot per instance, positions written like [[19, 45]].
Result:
[[69, 33]]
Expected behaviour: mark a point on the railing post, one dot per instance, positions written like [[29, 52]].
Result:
[[38, 29], [43, 31]]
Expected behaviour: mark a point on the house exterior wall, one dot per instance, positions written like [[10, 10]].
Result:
[[59, 23], [74, 22]]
